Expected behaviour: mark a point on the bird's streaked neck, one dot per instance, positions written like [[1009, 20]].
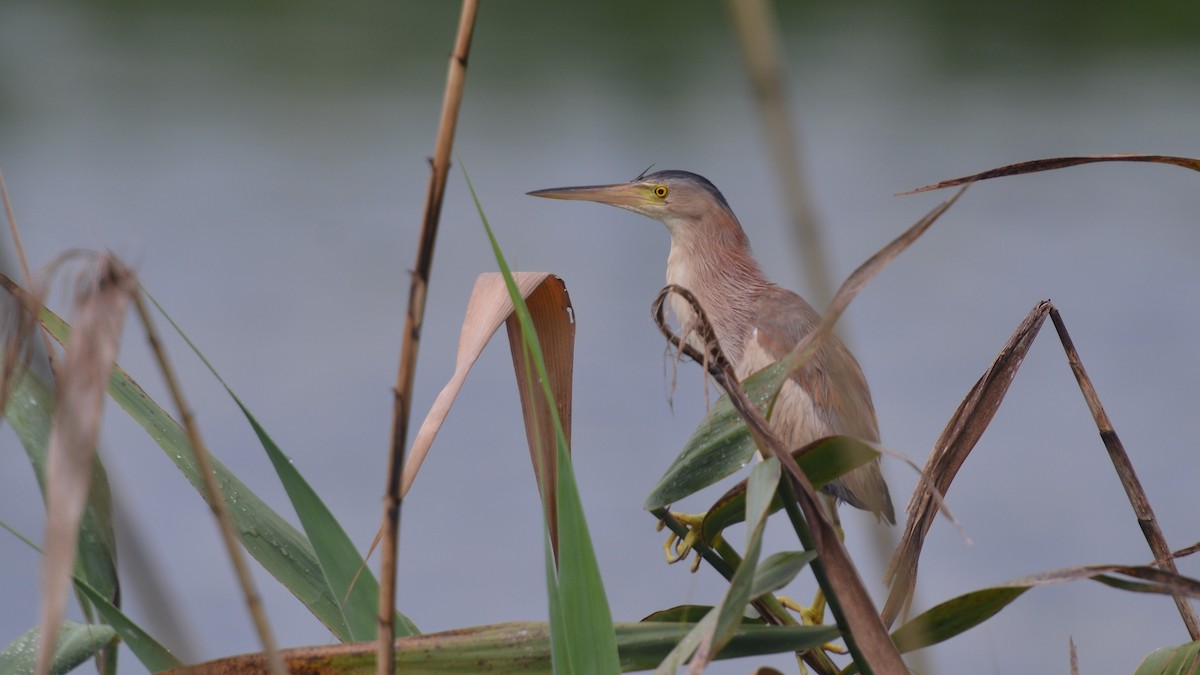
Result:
[[712, 259]]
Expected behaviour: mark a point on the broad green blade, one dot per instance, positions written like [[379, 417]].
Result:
[[954, 616], [153, 655], [720, 446], [76, 643], [583, 602], [821, 461], [688, 643], [778, 570], [30, 410], [581, 621], [679, 614], [278, 546], [559, 644], [340, 560], [763, 483], [1183, 659]]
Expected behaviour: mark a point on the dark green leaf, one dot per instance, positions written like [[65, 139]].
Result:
[[30, 409], [822, 461], [1180, 660], [778, 570], [76, 643], [719, 447], [954, 616], [153, 656]]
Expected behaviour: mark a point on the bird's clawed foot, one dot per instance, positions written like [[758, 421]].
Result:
[[677, 548], [813, 615]]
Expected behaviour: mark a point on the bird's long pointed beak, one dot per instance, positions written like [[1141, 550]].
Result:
[[627, 195]]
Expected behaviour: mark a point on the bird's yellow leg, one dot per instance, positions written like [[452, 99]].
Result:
[[814, 614], [677, 548]]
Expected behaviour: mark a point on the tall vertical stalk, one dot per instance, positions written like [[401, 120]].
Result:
[[440, 166]]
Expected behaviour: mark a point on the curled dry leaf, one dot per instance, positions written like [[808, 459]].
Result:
[[959, 437], [101, 299], [488, 307]]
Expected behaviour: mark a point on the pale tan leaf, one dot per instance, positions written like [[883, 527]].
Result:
[[488, 307], [101, 300]]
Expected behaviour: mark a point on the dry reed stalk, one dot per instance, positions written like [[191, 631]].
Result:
[[402, 403], [1124, 468], [101, 298], [23, 324], [957, 441], [762, 52], [216, 499]]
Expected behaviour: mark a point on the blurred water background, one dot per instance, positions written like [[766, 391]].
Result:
[[264, 165]]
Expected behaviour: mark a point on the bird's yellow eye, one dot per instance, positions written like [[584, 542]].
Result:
[[661, 191]]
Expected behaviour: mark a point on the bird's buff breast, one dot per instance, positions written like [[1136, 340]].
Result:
[[803, 424]]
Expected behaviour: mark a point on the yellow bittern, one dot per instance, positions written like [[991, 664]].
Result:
[[756, 322]]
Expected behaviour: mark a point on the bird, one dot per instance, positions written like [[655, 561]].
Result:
[[756, 322]]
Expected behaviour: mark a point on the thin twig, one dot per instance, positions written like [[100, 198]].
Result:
[[216, 499], [1129, 480], [11, 364], [440, 165]]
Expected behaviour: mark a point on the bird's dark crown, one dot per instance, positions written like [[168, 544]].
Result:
[[694, 179]]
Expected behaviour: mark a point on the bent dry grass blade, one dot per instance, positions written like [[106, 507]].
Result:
[[101, 300]]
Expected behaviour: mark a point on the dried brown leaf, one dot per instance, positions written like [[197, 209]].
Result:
[[1159, 580], [1053, 163], [959, 437], [488, 307], [101, 300], [553, 320]]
